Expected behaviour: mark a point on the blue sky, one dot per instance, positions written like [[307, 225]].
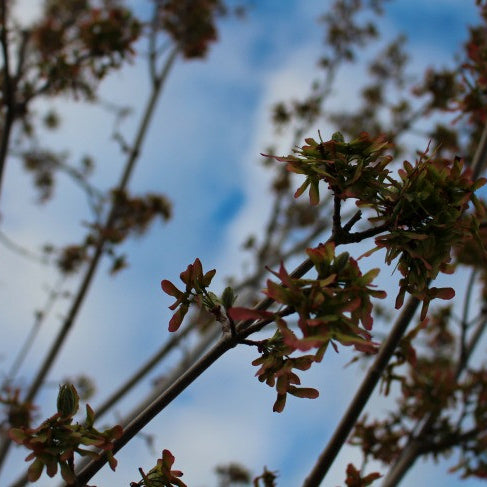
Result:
[[202, 151]]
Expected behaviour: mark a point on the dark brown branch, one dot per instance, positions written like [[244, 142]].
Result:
[[8, 91], [465, 321], [362, 396], [173, 391], [243, 329], [479, 162], [337, 217]]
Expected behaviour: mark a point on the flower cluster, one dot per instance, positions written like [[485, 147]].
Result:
[[18, 413], [161, 475], [77, 41], [425, 214], [191, 24], [55, 441], [196, 283], [421, 215], [352, 170], [335, 307]]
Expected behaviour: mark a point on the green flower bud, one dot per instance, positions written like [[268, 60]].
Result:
[[341, 261], [228, 297], [338, 137], [67, 400]]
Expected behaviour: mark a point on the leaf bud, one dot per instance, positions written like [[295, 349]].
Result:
[[341, 261], [338, 137], [67, 400], [228, 297]]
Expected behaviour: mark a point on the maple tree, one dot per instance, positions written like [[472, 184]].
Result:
[[342, 189]]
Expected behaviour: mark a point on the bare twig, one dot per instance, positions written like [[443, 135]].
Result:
[[479, 161], [21, 250], [465, 321]]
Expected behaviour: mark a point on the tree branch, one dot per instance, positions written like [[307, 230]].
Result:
[[93, 265], [173, 391], [8, 91], [362, 396]]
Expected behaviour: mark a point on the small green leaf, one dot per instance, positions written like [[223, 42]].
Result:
[[314, 193], [17, 434], [338, 137], [67, 474], [206, 281], [35, 470], [90, 416]]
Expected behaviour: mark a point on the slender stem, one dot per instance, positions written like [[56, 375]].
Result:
[[21, 250], [465, 322], [362, 396], [337, 216], [479, 161], [8, 91]]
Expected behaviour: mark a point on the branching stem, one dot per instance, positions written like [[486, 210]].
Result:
[[98, 252]]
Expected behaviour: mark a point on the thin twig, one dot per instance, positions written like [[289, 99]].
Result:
[[479, 161], [21, 250], [465, 322]]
